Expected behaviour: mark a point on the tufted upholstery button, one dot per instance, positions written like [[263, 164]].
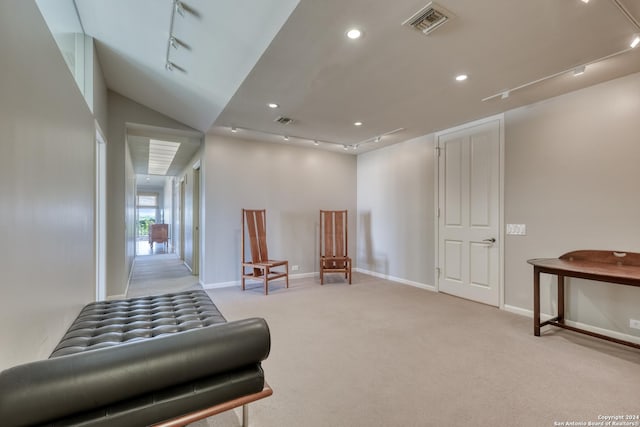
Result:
[[108, 323]]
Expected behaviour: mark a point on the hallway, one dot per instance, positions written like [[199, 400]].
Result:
[[160, 274]]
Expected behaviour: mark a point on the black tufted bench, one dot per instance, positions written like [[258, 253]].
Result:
[[165, 360], [107, 323]]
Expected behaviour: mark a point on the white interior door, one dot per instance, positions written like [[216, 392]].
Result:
[[469, 212]]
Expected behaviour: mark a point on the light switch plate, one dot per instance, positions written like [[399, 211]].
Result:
[[517, 229]]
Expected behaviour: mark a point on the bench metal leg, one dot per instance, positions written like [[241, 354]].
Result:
[[245, 415]]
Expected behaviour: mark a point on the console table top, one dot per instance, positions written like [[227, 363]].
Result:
[[610, 266]]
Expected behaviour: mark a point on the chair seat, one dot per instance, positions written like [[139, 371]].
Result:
[[335, 263], [269, 263]]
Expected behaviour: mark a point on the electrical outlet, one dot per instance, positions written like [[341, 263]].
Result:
[[294, 268], [635, 324], [517, 229]]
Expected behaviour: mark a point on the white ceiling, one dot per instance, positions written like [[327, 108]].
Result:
[[138, 137], [225, 38], [244, 54]]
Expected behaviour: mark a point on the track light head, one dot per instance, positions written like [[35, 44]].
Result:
[[179, 8]]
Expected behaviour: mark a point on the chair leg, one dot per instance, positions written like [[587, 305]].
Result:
[[266, 281], [287, 270]]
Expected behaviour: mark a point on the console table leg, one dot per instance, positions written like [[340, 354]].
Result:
[[560, 298], [536, 301]]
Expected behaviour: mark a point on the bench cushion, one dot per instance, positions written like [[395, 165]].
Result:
[[107, 323]]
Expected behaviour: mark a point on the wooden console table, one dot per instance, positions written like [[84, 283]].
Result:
[[158, 233], [605, 266]]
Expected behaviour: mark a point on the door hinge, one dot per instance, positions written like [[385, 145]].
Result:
[[437, 212], [438, 151], [438, 272]]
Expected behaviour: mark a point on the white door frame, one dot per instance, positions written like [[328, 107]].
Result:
[[101, 215], [182, 205], [195, 233], [501, 234]]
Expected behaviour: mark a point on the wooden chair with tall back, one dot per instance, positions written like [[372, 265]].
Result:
[[333, 244], [254, 223]]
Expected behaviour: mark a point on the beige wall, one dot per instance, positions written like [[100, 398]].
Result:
[[100, 95], [396, 211], [572, 174], [47, 189], [121, 186], [291, 183]]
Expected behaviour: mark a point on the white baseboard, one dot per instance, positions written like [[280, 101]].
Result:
[[544, 317], [303, 275], [116, 297], [397, 279], [517, 310], [218, 285]]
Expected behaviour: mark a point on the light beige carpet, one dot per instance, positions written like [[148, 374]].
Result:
[[158, 274], [377, 353]]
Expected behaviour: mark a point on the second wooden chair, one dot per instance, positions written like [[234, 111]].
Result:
[[333, 244]]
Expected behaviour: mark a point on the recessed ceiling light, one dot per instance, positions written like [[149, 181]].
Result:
[[461, 77], [635, 42], [316, 143], [578, 71], [585, 1], [357, 123], [344, 147], [354, 33], [273, 105], [234, 130], [286, 138]]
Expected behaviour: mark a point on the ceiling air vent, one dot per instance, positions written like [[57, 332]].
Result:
[[284, 120], [430, 17]]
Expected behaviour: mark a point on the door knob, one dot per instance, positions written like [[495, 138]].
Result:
[[491, 240]]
